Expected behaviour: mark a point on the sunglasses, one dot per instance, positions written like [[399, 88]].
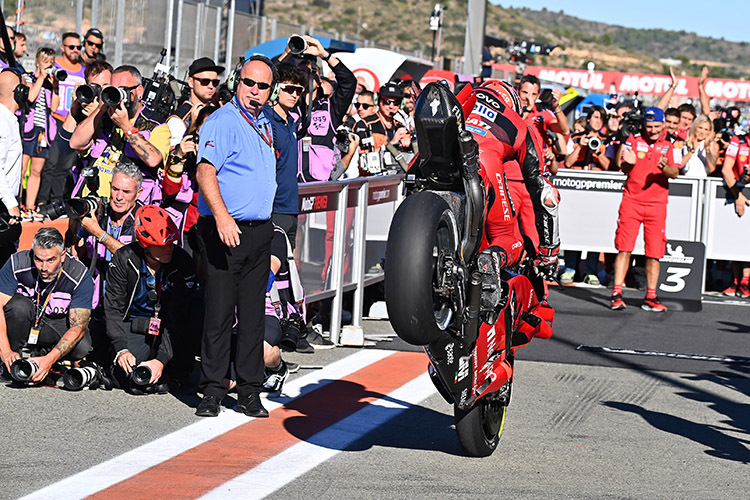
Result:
[[290, 88], [151, 285], [252, 83], [73, 47], [391, 102], [210, 81], [363, 105], [93, 44], [408, 95]]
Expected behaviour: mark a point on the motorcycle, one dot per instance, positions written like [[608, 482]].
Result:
[[437, 282]]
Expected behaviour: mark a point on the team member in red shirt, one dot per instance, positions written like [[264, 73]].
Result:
[[736, 173], [542, 120], [649, 161]]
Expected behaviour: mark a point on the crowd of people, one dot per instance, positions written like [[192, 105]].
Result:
[[182, 227]]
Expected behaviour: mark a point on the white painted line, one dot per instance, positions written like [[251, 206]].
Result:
[[295, 461], [118, 469]]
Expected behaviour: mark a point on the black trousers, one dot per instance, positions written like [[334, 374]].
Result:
[[19, 318], [288, 223], [55, 174], [235, 278]]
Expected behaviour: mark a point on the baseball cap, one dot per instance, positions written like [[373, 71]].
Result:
[[94, 31], [653, 114], [204, 64], [390, 89]]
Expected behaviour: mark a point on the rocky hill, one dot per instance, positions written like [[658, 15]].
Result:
[[406, 23]]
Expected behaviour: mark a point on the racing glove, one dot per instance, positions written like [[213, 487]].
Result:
[[547, 261]]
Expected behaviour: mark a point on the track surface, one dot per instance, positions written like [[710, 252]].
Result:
[[582, 423]]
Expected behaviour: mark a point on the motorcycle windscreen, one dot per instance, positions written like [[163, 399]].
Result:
[[438, 119]]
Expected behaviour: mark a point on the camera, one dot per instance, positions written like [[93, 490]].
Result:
[[113, 96], [293, 328], [297, 45], [86, 94], [631, 125], [74, 208], [140, 376], [89, 374], [158, 92], [343, 142], [21, 370], [60, 74], [595, 143]]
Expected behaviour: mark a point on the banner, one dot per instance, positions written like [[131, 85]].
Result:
[[630, 83]]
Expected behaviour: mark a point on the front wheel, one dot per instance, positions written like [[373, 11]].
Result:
[[479, 428]]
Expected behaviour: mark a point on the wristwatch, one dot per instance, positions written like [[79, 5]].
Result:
[[326, 58], [103, 237]]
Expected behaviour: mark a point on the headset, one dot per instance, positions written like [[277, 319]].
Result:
[[234, 77]]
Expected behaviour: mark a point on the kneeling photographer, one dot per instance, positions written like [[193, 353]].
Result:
[[46, 297], [147, 300]]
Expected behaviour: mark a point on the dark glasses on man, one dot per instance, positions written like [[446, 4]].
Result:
[[363, 105], [94, 44], [252, 83], [407, 95], [391, 102], [290, 88], [209, 81], [73, 47]]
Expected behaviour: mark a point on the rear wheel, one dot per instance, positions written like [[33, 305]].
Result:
[[479, 428], [420, 268]]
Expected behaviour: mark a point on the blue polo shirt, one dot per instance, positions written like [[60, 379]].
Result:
[[285, 137], [245, 164]]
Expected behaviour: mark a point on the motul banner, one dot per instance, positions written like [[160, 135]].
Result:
[[630, 83]]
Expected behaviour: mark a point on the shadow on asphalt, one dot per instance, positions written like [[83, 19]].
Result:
[[416, 427], [733, 327]]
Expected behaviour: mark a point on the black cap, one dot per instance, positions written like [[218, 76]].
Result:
[[390, 89], [204, 64], [95, 32]]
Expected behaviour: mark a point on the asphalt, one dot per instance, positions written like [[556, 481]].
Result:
[[581, 423]]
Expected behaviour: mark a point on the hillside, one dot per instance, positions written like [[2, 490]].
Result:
[[405, 23]]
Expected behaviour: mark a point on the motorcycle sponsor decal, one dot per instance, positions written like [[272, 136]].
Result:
[[491, 341], [434, 105], [483, 110], [464, 395], [463, 369], [488, 99], [477, 131], [449, 353], [502, 196], [317, 203]]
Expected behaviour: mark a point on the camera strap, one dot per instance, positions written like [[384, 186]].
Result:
[[40, 307]]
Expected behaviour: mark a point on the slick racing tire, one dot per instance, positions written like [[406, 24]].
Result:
[[422, 236], [479, 429]]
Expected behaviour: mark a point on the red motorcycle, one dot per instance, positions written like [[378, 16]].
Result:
[[440, 290]]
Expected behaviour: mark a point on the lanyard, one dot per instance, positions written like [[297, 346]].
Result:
[[267, 137], [40, 310]]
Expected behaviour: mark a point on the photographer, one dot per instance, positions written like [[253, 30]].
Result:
[[122, 126], [93, 42], [46, 297], [147, 301], [70, 73], [321, 113], [291, 84], [649, 161], [40, 129], [589, 147]]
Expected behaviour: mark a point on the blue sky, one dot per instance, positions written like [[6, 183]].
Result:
[[727, 18]]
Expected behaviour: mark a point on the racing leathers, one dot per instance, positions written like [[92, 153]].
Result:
[[503, 137]]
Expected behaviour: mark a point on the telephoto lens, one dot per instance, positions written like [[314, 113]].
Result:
[[141, 375], [21, 370], [60, 74], [296, 44], [76, 379], [113, 96], [85, 94], [594, 143]]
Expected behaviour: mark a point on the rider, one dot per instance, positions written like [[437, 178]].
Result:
[[503, 137]]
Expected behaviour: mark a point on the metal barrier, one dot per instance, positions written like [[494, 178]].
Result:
[[341, 235], [726, 236]]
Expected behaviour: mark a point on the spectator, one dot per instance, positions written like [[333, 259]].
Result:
[[671, 123], [46, 297], [236, 176], [11, 149], [5, 61], [147, 301], [126, 133], [286, 202], [40, 129], [57, 167], [93, 42], [361, 85], [365, 107], [319, 159], [203, 81], [687, 115], [701, 149], [649, 161], [687, 111], [736, 174], [20, 49]]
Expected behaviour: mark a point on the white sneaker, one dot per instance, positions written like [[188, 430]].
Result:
[[275, 380]]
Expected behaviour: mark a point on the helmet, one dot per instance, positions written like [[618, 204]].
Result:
[[506, 91], [153, 226]]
